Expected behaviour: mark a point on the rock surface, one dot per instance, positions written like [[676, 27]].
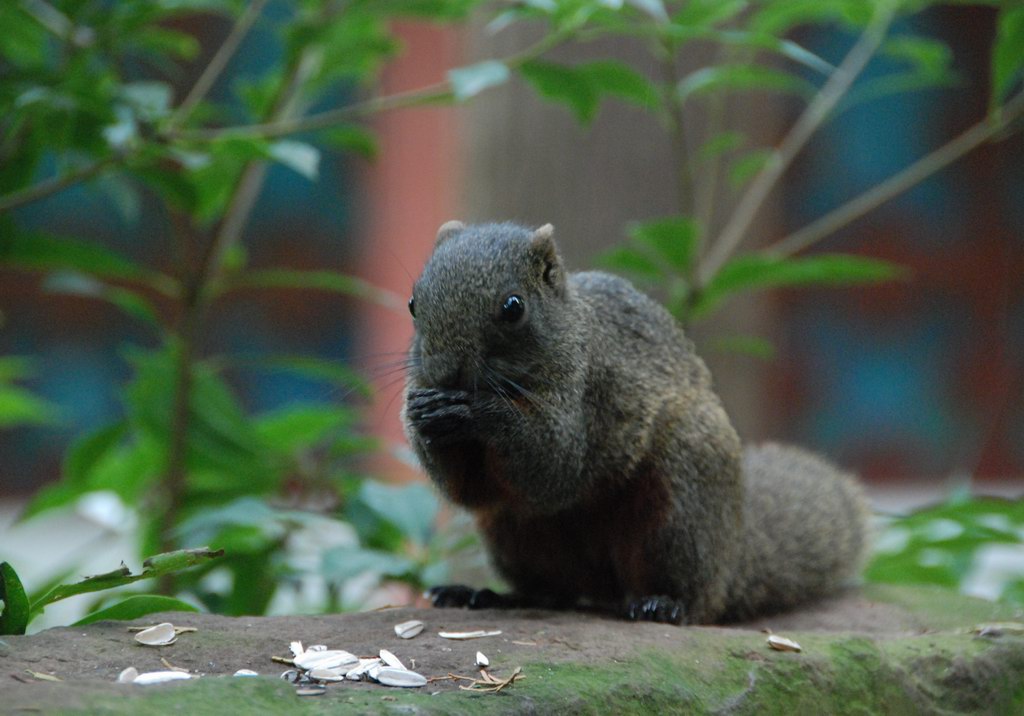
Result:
[[881, 650]]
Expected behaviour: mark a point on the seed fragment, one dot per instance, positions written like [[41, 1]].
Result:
[[320, 673], [466, 634], [390, 659], [245, 672], [481, 660], [390, 676], [358, 672], [327, 659], [781, 643], [128, 675], [160, 677], [409, 629], [311, 691], [159, 635]]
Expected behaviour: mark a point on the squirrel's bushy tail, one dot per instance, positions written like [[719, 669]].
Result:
[[805, 531]]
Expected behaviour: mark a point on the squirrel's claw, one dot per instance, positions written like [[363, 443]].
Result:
[[665, 610]]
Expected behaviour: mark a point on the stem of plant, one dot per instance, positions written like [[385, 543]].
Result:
[[895, 185], [816, 112], [680, 159]]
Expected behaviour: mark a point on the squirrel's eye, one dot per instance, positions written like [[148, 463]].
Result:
[[513, 309], [412, 306]]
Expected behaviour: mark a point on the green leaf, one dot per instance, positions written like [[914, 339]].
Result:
[[352, 138], [343, 563], [563, 84], [150, 100], [778, 18], [14, 368], [78, 284], [39, 251], [1007, 52], [673, 239], [291, 429], [627, 259], [708, 13], [721, 143], [14, 613], [87, 451], [20, 407], [137, 606], [411, 508], [155, 566], [620, 80], [311, 280], [741, 77], [470, 81], [757, 271], [744, 168], [300, 157]]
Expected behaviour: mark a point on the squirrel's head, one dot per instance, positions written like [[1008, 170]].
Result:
[[491, 304]]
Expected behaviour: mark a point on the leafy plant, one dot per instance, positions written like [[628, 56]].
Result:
[[969, 544], [17, 405], [693, 255], [17, 610], [84, 99]]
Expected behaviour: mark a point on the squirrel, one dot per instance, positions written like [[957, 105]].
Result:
[[570, 415]]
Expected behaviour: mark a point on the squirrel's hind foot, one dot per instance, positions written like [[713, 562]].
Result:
[[665, 610]]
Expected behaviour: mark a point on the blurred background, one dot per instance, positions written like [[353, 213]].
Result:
[[914, 384]]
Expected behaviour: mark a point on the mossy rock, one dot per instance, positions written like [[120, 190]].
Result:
[[892, 650]]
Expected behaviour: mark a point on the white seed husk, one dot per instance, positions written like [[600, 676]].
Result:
[[128, 675], [319, 673], [357, 673], [160, 677], [328, 659], [390, 659], [291, 676], [781, 643], [159, 635], [482, 660], [296, 648], [245, 672], [466, 634], [311, 691], [409, 629], [390, 676], [374, 671]]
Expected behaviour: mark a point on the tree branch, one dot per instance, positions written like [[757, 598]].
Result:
[[218, 62], [900, 182], [55, 184], [817, 111]]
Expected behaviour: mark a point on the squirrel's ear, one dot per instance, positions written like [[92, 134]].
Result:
[[448, 229], [542, 246]]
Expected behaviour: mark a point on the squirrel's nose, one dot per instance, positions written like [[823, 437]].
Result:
[[444, 370]]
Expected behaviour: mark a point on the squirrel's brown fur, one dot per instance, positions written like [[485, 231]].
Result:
[[581, 429]]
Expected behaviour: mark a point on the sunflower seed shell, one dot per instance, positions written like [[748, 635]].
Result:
[[390, 676]]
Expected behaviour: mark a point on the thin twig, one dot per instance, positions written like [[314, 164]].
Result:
[[54, 184], [436, 93], [431, 94], [681, 156], [218, 62], [895, 185], [816, 112]]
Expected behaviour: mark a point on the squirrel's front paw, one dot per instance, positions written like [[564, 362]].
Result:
[[438, 414], [665, 610]]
